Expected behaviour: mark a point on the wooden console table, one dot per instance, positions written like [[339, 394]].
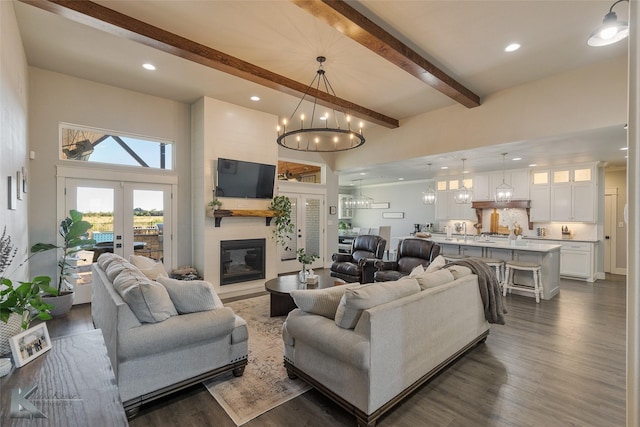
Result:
[[76, 385]]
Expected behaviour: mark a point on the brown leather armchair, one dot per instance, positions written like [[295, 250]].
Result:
[[359, 265], [410, 254]]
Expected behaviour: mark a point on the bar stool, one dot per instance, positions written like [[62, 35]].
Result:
[[511, 267], [497, 265], [453, 257]]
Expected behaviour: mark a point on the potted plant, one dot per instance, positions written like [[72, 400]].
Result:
[[305, 259], [284, 226], [20, 304], [215, 203], [73, 230]]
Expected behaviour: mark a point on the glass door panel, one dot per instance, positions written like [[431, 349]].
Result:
[[148, 223], [98, 202], [145, 230], [307, 214]]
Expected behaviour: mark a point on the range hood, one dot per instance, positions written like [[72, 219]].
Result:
[[514, 204]]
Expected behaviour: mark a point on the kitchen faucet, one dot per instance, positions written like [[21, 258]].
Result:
[[464, 229]]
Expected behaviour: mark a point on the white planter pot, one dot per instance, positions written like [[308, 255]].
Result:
[[8, 330], [61, 304]]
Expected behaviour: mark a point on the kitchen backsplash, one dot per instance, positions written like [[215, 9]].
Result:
[[580, 231]]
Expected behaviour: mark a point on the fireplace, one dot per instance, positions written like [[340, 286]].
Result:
[[242, 260]]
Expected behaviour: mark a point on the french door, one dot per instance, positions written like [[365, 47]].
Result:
[[308, 215], [127, 218]]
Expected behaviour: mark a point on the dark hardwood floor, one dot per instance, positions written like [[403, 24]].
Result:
[[557, 363]]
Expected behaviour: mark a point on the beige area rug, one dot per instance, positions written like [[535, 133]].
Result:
[[264, 384]]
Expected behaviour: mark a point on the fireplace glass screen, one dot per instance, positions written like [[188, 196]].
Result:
[[242, 260]]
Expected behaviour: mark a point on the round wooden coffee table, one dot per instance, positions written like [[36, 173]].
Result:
[[280, 290]]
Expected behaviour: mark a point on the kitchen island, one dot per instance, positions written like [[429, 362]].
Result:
[[547, 255]]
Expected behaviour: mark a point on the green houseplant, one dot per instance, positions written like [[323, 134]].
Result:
[[305, 259], [284, 226], [73, 230], [215, 203], [19, 304]]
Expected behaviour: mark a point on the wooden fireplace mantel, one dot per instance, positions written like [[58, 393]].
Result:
[[514, 204], [218, 214]]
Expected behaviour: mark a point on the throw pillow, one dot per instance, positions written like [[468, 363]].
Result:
[[190, 296], [323, 302], [118, 266], [148, 300], [417, 270], [149, 267], [435, 278], [356, 300], [459, 271], [107, 258], [436, 264]]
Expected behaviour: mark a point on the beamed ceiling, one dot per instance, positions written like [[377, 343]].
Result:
[[387, 60]]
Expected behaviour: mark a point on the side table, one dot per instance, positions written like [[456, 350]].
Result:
[[76, 385]]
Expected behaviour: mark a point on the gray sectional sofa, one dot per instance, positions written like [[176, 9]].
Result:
[[368, 346], [154, 349]]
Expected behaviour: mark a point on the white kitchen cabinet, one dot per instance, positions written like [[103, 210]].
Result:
[[446, 206], [520, 184], [577, 259], [474, 251], [540, 192], [573, 194], [584, 203], [344, 212], [481, 188]]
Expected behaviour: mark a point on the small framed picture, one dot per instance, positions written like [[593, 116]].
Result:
[[30, 344], [381, 205], [393, 215], [332, 210], [11, 193], [19, 185]]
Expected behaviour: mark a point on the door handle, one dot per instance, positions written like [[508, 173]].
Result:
[[606, 237]]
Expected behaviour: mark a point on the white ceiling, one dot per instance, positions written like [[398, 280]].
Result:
[[464, 38]]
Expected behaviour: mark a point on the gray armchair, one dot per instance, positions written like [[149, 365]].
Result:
[[359, 265], [411, 253]]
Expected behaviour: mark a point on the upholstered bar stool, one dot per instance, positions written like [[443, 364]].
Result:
[[497, 265], [454, 257], [509, 270]]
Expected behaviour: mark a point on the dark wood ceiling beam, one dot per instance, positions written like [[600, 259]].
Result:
[[113, 22], [358, 27]]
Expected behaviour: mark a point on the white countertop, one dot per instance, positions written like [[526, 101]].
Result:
[[522, 245]]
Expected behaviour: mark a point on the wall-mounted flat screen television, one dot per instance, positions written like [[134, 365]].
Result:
[[245, 180]]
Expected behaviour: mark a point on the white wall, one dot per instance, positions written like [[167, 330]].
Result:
[[13, 135], [56, 98], [403, 197], [221, 129], [557, 105]]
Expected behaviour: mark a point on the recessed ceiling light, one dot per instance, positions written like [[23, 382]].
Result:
[[363, 173], [515, 159], [512, 47], [148, 66], [255, 98], [444, 167], [400, 179], [624, 148], [532, 165]]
